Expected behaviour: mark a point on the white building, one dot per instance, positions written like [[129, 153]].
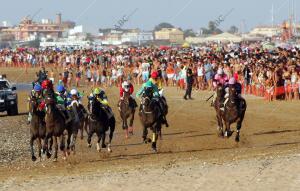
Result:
[[137, 37], [267, 31]]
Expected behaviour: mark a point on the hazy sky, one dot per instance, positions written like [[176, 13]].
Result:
[[94, 14]]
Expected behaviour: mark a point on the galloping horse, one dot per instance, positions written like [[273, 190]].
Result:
[[55, 126], [99, 123], [37, 127], [74, 125], [126, 111], [234, 111], [150, 117]]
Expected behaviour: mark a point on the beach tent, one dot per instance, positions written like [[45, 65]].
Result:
[[224, 37]]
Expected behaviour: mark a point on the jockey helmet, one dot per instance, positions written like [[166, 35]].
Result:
[[60, 88], [46, 84], [154, 75], [37, 88], [96, 91], [231, 81], [73, 92], [220, 71]]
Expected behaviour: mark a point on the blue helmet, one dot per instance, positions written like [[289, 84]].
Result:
[[37, 87], [60, 88]]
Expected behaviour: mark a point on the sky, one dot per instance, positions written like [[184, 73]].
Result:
[[194, 14]]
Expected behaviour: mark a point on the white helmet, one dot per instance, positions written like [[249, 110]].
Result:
[[220, 71], [73, 92], [125, 83]]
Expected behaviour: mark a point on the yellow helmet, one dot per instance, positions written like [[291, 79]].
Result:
[[97, 91]]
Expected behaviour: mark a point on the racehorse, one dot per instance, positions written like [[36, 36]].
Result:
[[99, 123], [55, 126], [37, 127], [83, 120], [150, 117], [220, 93], [126, 111], [74, 125], [234, 111]]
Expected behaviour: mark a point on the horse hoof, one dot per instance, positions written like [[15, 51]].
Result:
[[109, 150], [64, 158], [33, 158], [237, 139], [89, 145], [55, 160], [48, 155], [104, 146]]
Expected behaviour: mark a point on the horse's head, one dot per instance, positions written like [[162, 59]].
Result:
[[232, 91], [220, 91], [50, 103], [148, 92]]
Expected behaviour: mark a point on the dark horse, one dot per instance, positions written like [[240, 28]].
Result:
[[55, 126], [75, 124], [234, 111], [83, 119], [127, 110], [150, 117], [99, 123], [37, 127]]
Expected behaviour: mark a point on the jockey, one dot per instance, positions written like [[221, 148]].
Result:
[[238, 87], [127, 86], [100, 95], [61, 101], [152, 83], [47, 87], [36, 93], [74, 96], [220, 79]]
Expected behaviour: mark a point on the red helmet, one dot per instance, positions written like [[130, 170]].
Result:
[[47, 84], [154, 75]]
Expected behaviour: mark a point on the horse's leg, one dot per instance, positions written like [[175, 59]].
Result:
[[239, 126], [69, 139], [228, 132], [89, 138], [73, 143], [125, 126], [103, 136], [39, 141], [62, 146], [81, 129], [33, 158], [131, 122], [55, 148], [220, 126], [154, 137], [50, 146], [99, 135], [111, 134], [145, 133]]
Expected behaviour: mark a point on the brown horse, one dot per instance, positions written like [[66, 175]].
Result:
[[234, 111], [150, 117], [127, 110], [75, 124], [55, 126], [37, 127], [220, 93]]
